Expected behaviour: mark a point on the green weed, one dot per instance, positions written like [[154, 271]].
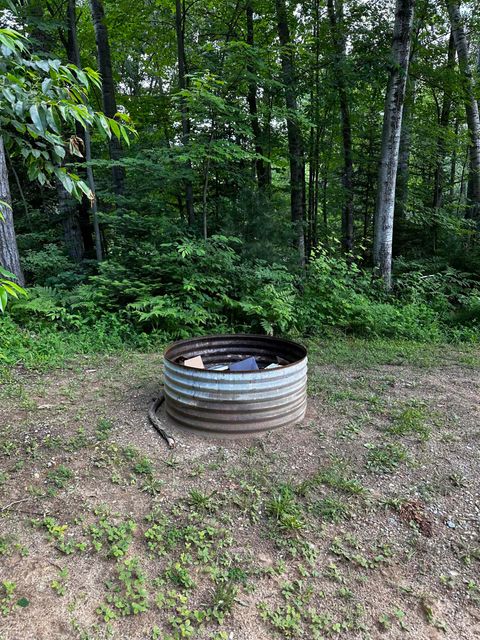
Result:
[[283, 508], [60, 476], [384, 458], [411, 421], [127, 593], [104, 428], [144, 466], [331, 509], [116, 538], [59, 584], [202, 501]]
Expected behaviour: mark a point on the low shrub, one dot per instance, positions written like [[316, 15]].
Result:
[[191, 286]]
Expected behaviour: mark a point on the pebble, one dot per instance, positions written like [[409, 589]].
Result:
[[450, 524]]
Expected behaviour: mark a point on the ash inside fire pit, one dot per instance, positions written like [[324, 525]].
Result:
[[235, 385]]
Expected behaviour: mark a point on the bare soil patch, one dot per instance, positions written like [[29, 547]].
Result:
[[363, 522]]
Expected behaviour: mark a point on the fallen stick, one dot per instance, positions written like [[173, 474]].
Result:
[[152, 414], [11, 504]]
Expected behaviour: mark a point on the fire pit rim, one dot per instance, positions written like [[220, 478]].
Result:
[[294, 344]]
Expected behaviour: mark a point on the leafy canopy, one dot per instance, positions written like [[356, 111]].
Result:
[[40, 101]]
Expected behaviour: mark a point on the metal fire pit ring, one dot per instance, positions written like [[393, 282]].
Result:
[[235, 403]]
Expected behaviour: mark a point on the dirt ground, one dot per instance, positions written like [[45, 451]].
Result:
[[363, 522]]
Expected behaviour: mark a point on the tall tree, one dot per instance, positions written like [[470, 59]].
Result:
[[109, 102], [180, 16], [42, 37], [316, 131], [9, 256], [335, 15], [33, 124], [392, 125], [74, 57], [403, 169], [262, 168], [295, 139], [471, 108], [443, 121], [74, 214]]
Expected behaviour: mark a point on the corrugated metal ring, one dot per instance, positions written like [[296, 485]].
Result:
[[236, 403]]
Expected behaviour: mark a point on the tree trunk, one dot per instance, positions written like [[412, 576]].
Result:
[[478, 70], [72, 232], [403, 169], [471, 108], [401, 189], [108, 89], [74, 55], [439, 176], [182, 83], [453, 162], [392, 124], [315, 136], [70, 211], [261, 167], [295, 141], [335, 15], [91, 184], [403, 172], [369, 191], [9, 256]]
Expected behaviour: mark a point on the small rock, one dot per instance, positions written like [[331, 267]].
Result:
[[450, 524]]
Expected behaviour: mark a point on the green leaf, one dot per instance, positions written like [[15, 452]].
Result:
[[3, 299], [52, 121], [83, 78], [114, 127], [36, 119], [102, 125], [8, 94], [43, 65], [85, 188], [46, 85], [16, 287], [11, 292], [125, 136], [7, 274], [59, 150]]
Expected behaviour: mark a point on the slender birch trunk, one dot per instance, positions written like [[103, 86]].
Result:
[[399, 238], [392, 125], [471, 108]]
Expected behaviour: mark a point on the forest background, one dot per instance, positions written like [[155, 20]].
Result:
[[243, 165]]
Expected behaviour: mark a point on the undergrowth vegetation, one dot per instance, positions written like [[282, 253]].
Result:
[[175, 289]]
